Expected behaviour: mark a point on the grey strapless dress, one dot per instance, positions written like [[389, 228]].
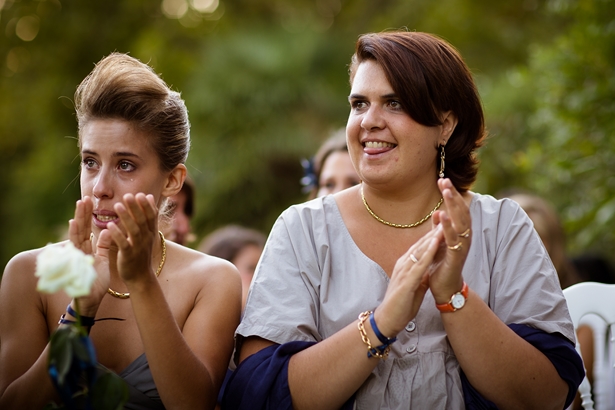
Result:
[[143, 394]]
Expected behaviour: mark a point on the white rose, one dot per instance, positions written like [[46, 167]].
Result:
[[65, 267]]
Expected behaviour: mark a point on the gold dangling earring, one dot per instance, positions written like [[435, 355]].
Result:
[[441, 174]]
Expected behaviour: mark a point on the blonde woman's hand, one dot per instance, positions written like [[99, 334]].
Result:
[[80, 234], [135, 236], [455, 224]]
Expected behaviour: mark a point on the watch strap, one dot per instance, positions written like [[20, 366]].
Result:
[[448, 307]]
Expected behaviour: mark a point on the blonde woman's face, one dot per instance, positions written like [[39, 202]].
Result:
[[117, 159], [337, 173]]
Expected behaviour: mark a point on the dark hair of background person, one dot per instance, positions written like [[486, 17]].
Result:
[[122, 87], [189, 188], [335, 143], [228, 241], [592, 267], [429, 80], [176, 217]]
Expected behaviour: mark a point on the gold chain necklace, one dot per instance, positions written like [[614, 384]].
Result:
[[394, 225], [126, 295]]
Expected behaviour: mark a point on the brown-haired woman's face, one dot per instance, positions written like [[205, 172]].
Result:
[[384, 142], [337, 173], [116, 159]]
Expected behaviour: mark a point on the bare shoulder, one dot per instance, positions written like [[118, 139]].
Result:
[[200, 285], [201, 270], [21, 267], [18, 285]]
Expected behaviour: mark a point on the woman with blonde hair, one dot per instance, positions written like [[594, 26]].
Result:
[[177, 307]]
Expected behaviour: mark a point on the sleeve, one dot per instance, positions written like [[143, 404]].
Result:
[[524, 287], [289, 274], [261, 381], [558, 349]]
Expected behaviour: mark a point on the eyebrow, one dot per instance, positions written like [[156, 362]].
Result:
[[361, 97], [115, 154]]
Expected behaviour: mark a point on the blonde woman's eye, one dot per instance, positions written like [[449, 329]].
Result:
[[88, 163], [126, 166], [357, 105]]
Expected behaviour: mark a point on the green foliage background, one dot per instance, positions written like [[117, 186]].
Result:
[[266, 81]]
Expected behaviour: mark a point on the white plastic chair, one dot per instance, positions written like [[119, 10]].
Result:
[[585, 298]]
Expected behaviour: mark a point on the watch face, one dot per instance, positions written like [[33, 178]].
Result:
[[458, 301]]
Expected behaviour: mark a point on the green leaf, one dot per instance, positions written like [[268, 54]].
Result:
[[81, 350], [61, 352], [109, 392], [53, 406]]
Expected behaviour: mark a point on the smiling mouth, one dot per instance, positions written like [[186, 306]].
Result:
[[378, 144]]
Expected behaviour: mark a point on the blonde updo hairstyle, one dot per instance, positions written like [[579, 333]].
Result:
[[122, 87]]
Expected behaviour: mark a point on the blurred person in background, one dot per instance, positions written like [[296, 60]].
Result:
[[239, 245], [331, 169], [176, 226], [549, 227], [592, 267]]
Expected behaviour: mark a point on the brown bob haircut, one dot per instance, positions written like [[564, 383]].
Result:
[[430, 78]]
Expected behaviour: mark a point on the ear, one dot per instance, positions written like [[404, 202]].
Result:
[[449, 122], [175, 180]]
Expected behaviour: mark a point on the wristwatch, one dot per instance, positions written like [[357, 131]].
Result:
[[458, 300]]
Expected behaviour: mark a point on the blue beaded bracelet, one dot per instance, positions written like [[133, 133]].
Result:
[[86, 321], [383, 339]]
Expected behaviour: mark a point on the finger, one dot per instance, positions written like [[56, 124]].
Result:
[[118, 237], [105, 244], [79, 228], [454, 242], [456, 207], [128, 225], [149, 209], [134, 205], [428, 254], [416, 250], [435, 219]]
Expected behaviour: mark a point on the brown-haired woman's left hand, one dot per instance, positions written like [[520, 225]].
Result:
[[456, 223]]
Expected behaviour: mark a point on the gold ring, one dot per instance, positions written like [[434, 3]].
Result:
[[456, 247], [465, 233], [413, 258]]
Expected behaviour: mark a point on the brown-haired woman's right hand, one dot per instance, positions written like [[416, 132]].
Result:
[[408, 285]]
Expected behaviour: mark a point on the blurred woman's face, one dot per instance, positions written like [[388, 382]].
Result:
[[337, 173], [245, 261]]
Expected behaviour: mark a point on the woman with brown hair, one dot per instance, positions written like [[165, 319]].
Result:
[[177, 307], [458, 306]]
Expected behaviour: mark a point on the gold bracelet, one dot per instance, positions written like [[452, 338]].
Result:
[[371, 351]]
